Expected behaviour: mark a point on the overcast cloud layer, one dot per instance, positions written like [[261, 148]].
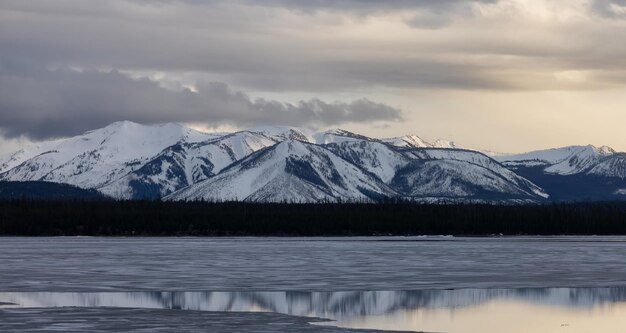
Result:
[[52, 103], [441, 66]]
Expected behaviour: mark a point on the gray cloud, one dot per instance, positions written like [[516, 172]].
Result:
[[348, 6], [610, 8], [256, 45], [39, 104], [428, 14], [239, 45], [393, 49]]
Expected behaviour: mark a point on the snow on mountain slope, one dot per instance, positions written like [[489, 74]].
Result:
[[566, 160], [414, 141], [375, 156], [130, 161], [378, 158], [281, 133], [408, 141], [233, 147], [582, 159], [289, 171], [172, 169], [613, 165], [599, 161], [184, 164], [457, 179], [473, 173], [460, 173], [96, 157], [547, 156], [454, 154], [337, 136]]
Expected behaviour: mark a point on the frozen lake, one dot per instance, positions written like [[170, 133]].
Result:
[[310, 264], [435, 284]]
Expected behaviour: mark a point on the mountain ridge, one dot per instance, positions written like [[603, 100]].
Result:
[[127, 160]]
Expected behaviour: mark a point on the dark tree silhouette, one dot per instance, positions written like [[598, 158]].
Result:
[[155, 218]]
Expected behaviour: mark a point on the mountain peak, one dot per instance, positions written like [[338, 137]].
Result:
[[337, 136], [129, 125], [291, 170], [407, 141], [568, 160], [604, 150], [121, 125], [280, 133]]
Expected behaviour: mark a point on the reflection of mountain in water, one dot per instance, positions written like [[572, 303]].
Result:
[[334, 305]]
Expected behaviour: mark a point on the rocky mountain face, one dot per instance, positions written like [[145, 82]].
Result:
[[126, 160]]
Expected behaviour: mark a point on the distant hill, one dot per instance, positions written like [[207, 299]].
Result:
[[575, 173], [38, 190]]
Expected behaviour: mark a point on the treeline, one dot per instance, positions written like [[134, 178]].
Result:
[[155, 218], [38, 190]]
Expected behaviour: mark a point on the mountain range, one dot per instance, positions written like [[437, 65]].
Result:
[[126, 160]]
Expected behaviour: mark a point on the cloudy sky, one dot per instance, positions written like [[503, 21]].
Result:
[[509, 75]]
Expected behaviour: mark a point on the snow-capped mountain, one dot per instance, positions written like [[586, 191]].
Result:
[[186, 163], [574, 172], [373, 156], [408, 141], [457, 173], [572, 160], [434, 173], [98, 157], [292, 170], [126, 160], [612, 166], [563, 161]]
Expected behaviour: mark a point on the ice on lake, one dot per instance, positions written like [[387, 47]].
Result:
[[435, 284], [308, 264]]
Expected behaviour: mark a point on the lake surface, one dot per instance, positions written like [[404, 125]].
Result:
[[538, 310], [435, 284], [309, 264]]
